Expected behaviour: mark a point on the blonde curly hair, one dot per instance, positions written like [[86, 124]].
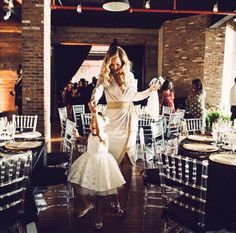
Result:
[[105, 73]]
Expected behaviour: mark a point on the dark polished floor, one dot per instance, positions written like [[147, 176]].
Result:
[[57, 219]]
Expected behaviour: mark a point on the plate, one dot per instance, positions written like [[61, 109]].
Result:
[[28, 135], [22, 145], [201, 138], [200, 147], [2, 143], [224, 158]]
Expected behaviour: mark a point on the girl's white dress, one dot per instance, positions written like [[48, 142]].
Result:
[[96, 171]]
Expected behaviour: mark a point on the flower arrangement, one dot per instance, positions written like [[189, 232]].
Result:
[[215, 115]]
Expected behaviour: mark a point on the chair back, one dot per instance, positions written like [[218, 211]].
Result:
[[63, 117], [69, 140], [25, 122], [15, 170], [62, 113], [179, 110], [86, 119], [166, 111], [148, 136], [191, 175], [69, 135], [195, 125], [174, 123], [7, 129], [77, 110]]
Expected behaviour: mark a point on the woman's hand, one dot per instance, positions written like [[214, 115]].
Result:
[[92, 106], [154, 87]]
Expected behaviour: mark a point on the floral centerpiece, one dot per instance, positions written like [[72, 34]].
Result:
[[215, 115]]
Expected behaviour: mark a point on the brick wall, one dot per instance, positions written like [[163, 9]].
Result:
[[213, 64], [10, 45], [35, 77], [183, 51], [192, 50]]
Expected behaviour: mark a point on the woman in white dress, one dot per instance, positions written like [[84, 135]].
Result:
[[119, 86], [96, 172]]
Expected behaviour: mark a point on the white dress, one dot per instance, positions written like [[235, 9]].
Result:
[[123, 126], [96, 171]]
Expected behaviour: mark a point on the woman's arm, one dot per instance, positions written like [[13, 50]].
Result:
[[140, 95]]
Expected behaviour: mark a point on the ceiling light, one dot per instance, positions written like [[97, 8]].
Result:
[[147, 4], [111, 5], [215, 7], [79, 8]]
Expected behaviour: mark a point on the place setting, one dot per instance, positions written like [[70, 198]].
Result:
[[200, 147], [27, 135], [22, 145], [201, 138], [224, 158]]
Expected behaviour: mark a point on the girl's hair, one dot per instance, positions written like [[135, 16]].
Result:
[[167, 85], [104, 76], [197, 85]]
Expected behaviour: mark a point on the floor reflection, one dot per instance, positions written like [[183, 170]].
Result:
[[7, 82]]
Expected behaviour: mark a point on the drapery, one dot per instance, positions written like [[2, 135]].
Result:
[[68, 59]]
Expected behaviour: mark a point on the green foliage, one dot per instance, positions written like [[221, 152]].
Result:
[[214, 116]]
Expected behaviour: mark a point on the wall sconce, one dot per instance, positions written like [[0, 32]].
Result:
[[7, 15], [8, 9], [215, 7], [112, 5]]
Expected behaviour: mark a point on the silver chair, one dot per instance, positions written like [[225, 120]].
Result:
[[15, 170], [60, 163], [25, 122], [77, 111], [144, 123], [166, 111], [195, 125], [63, 117], [184, 212], [151, 181], [86, 119], [174, 123]]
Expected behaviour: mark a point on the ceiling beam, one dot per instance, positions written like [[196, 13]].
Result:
[[142, 10]]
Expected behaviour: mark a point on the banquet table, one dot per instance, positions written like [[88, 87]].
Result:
[[221, 193]]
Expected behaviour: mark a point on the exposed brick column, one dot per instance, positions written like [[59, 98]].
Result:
[[36, 61]]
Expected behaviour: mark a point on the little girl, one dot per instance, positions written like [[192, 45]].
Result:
[[96, 172]]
